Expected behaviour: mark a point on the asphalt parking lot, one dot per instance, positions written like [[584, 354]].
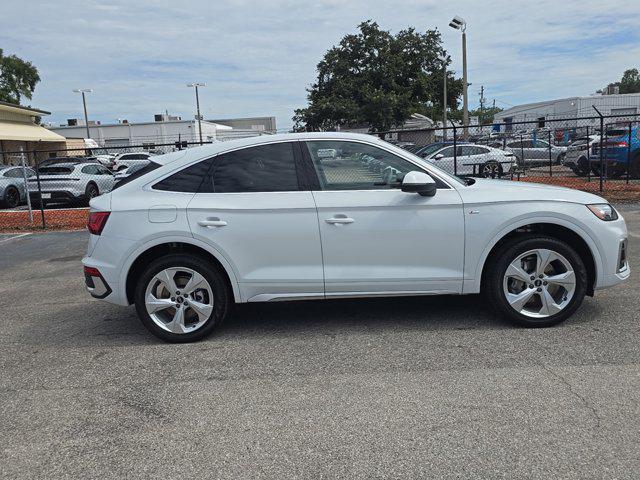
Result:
[[386, 388]]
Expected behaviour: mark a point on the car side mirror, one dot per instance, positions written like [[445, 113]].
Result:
[[438, 156], [420, 183]]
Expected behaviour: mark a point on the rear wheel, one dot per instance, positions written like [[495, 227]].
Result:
[[180, 298], [11, 197], [91, 192], [491, 169], [536, 281]]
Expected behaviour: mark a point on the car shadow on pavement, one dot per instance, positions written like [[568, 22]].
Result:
[[117, 325]]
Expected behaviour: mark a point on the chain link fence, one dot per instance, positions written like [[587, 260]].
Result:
[[600, 154], [52, 188]]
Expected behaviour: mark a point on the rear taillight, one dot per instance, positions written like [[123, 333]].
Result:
[[97, 221], [616, 145]]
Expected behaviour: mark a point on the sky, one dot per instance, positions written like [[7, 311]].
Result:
[[257, 58]]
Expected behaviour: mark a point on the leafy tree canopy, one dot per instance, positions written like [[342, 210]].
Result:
[[630, 82], [378, 79], [18, 78]]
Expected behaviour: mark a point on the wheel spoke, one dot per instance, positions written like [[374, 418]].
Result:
[[519, 300], [166, 277], [155, 304], [176, 325], [549, 305], [566, 279], [194, 282], [543, 259], [516, 271], [202, 309]]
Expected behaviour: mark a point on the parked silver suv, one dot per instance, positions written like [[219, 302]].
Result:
[[531, 151], [71, 183], [12, 188]]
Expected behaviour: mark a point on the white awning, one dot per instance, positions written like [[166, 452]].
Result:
[[27, 132]]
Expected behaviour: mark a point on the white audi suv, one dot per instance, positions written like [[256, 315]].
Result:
[[335, 215]]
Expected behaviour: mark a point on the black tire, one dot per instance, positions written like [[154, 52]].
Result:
[[582, 168], [221, 304], [611, 172], [91, 192], [634, 168], [11, 197], [493, 281], [491, 169]]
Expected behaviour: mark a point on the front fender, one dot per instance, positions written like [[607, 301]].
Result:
[[475, 264]]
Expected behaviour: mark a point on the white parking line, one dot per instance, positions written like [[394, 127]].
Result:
[[14, 237]]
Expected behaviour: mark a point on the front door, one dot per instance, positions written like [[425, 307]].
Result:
[[375, 238], [253, 210]]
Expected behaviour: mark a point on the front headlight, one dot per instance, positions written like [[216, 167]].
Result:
[[604, 211]]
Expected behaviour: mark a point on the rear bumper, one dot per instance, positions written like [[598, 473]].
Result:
[[57, 195], [96, 285]]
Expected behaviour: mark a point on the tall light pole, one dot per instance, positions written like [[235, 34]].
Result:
[[459, 23], [443, 58], [196, 85], [84, 105]]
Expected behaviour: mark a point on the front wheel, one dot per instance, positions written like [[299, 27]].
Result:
[[180, 298], [536, 281]]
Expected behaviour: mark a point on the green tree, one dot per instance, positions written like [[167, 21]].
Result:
[[486, 114], [630, 82], [18, 78], [378, 79]]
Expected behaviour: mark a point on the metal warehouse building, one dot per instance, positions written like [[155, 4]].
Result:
[[567, 108]]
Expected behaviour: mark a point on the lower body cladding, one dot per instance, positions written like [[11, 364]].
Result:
[[57, 196]]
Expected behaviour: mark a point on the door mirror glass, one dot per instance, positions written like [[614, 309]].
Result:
[[420, 183]]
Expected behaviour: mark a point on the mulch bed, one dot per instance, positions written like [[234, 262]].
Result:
[[58, 219], [614, 191]]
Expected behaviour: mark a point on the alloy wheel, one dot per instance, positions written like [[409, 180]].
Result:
[[539, 283], [179, 300]]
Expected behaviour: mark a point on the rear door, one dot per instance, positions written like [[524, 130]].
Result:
[[254, 208]]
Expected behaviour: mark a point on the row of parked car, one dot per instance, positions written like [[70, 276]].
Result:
[[74, 180], [493, 158]]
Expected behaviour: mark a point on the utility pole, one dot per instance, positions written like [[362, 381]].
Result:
[[84, 105], [481, 103], [196, 85], [459, 23], [444, 59]]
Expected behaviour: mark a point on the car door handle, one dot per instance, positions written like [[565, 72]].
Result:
[[339, 220], [212, 222]]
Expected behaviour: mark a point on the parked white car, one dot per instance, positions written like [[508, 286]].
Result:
[[75, 183], [302, 216], [124, 160], [471, 159]]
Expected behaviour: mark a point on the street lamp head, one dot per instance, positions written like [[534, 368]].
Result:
[[458, 23], [83, 90], [196, 85]]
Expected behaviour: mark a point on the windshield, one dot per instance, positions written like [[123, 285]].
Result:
[[429, 149]]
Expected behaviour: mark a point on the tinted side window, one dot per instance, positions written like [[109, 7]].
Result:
[[264, 168], [343, 165], [186, 180], [90, 169], [447, 152]]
